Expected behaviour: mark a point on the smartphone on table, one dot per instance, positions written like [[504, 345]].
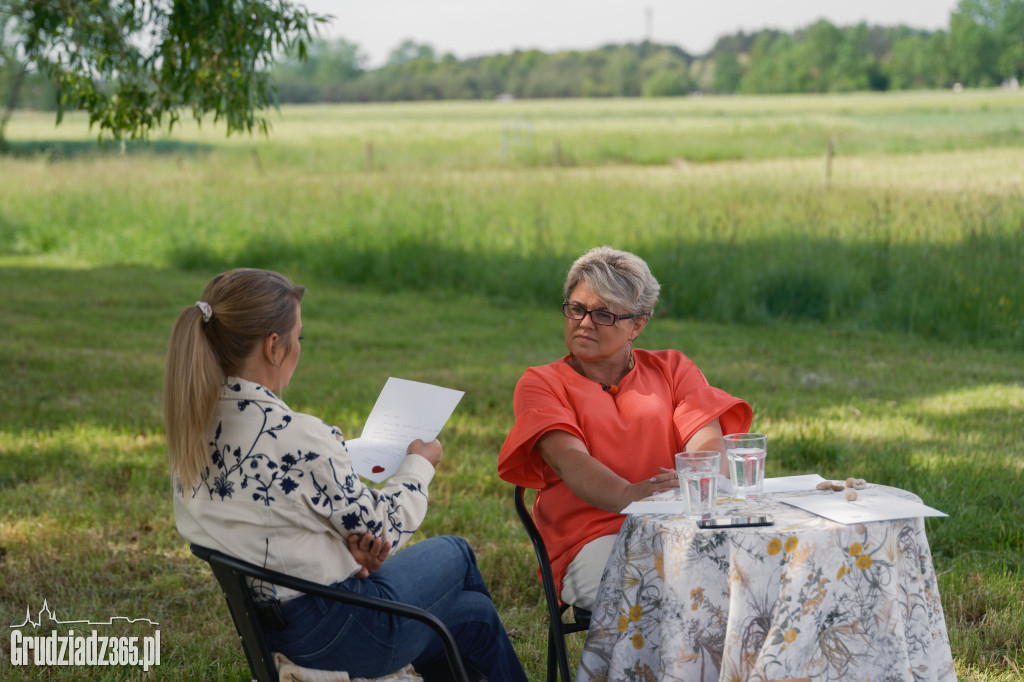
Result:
[[735, 522]]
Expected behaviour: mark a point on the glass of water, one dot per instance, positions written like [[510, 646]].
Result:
[[745, 453], [698, 481]]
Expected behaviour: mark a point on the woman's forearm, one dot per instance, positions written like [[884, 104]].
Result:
[[592, 481]]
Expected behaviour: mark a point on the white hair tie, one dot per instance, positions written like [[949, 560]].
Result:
[[206, 310]]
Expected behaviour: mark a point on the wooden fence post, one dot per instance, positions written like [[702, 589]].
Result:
[[828, 162]]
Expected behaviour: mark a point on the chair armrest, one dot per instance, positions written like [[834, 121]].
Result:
[[216, 558]]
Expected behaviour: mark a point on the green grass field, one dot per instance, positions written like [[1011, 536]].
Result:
[[874, 321]]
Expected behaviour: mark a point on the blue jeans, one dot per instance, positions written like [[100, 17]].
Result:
[[439, 575]]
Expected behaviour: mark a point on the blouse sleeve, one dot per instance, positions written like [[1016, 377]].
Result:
[[698, 404], [393, 512], [539, 406]]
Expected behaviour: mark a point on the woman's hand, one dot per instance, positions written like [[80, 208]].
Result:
[[429, 451], [368, 551]]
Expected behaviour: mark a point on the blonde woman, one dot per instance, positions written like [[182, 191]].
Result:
[[274, 487]]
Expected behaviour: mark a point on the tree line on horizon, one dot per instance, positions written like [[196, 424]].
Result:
[[983, 47], [135, 67]]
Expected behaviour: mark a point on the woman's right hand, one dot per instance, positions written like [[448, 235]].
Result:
[[429, 451], [369, 552]]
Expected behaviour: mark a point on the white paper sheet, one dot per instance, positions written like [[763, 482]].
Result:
[[870, 505], [779, 484], [405, 410], [662, 503]]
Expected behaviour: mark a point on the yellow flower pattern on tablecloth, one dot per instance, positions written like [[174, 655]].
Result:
[[804, 598], [697, 595], [816, 596], [641, 673]]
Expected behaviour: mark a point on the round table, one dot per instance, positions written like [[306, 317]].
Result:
[[805, 598]]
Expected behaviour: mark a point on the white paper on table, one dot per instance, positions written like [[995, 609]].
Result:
[[780, 484], [669, 502], [870, 505], [405, 410], [792, 484]]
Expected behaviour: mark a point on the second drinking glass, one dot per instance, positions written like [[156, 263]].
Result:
[[745, 453]]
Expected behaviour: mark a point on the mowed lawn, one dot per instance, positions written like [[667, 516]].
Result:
[[870, 310]]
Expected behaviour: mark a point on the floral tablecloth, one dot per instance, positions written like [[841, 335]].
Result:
[[804, 598]]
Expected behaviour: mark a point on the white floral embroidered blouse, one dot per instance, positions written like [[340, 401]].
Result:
[[279, 491]]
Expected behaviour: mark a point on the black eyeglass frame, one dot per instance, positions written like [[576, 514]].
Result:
[[615, 318]]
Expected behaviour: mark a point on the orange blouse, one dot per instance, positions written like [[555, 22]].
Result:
[[661, 403]]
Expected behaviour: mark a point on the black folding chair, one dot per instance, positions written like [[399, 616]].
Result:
[[558, 653], [233, 574]]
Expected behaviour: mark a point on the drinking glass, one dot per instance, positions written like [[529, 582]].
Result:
[[745, 453], [698, 480]]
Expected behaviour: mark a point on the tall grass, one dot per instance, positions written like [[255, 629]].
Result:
[[470, 135], [930, 244]]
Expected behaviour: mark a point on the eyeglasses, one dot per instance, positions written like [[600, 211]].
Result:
[[601, 317]]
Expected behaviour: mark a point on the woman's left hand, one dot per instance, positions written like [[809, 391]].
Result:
[[369, 552]]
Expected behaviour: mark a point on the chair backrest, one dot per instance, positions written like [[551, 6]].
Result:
[[547, 577], [558, 657], [232, 574]]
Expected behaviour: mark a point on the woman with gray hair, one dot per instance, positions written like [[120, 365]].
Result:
[[599, 428]]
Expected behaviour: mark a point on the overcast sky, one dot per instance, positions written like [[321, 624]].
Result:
[[470, 28]]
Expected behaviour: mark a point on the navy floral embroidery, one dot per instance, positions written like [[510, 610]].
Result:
[[257, 471], [222, 486], [350, 521], [365, 500]]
